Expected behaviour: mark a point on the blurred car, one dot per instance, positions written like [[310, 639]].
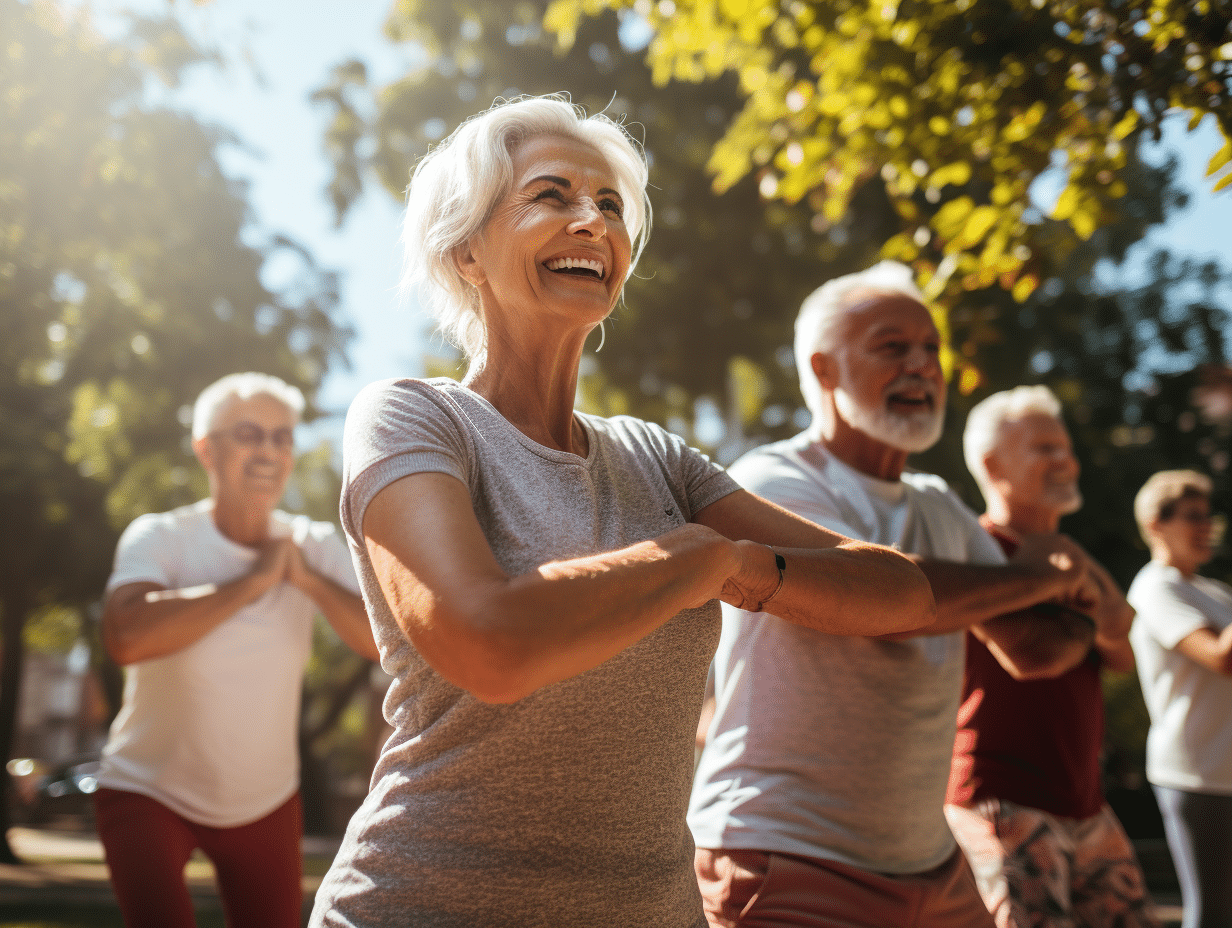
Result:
[[59, 794]]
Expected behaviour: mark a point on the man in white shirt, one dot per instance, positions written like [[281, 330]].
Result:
[[818, 797], [210, 608]]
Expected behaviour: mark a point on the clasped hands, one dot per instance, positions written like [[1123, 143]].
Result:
[[1084, 584], [281, 561]]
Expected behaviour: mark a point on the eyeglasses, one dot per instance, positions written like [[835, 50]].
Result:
[[1194, 518], [251, 435]]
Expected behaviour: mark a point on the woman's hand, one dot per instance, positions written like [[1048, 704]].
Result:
[[485, 631], [757, 579]]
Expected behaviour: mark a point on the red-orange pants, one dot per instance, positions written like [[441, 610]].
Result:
[[753, 889], [147, 846]]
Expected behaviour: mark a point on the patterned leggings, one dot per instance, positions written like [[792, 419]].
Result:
[[1037, 870]]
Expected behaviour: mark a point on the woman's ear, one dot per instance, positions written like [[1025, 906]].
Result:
[[468, 265]]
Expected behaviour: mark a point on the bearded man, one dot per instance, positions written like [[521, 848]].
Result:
[[818, 797], [1025, 799]]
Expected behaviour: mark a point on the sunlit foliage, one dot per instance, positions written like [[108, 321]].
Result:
[[130, 277], [958, 106]]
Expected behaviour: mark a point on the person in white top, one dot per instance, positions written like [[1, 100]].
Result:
[[1182, 638], [818, 797], [210, 609]]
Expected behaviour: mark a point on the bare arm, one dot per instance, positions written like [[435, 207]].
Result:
[[142, 621], [1045, 567], [1113, 621], [831, 584], [1211, 649], [485, 631], [994, 602], [1037, 643], [341, 608]]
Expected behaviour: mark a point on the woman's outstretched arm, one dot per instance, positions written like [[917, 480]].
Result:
[[501, 637], [831, 583]]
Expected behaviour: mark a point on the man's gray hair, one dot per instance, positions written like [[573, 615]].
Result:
[[456, 186], [818, 324], [991, 414], [241, 387]]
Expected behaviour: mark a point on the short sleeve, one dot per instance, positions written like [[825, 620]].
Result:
[[789, 488], [1169, 609], [327, 554], [982, 548], [143, 555], [704, 482], [394, 429], [694, 480]]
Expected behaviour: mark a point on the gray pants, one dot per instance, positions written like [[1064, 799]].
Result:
[[1199, 830]]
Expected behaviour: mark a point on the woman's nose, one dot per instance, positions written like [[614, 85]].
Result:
[[588, 218]]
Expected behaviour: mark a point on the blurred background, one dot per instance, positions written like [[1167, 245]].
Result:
[[188, 190]]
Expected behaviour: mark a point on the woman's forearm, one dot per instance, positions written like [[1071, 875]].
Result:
[[502, 638], [853, 589]]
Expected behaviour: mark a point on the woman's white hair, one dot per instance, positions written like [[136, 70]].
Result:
[[456, 186], [220, 393], [989, 415], [818, 324]]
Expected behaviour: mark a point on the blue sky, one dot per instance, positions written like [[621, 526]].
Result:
[[280, 50]]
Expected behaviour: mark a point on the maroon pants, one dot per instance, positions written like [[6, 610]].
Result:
[[147, 846]]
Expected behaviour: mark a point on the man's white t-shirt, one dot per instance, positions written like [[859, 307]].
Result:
[[210, 731], [834, 747], [1189, 746]]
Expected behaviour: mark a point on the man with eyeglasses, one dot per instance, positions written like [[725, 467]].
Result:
[[210, 608]]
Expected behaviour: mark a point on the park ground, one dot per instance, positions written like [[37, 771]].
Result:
[[63, 883]]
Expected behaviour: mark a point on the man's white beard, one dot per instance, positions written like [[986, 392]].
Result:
[[911, 433], [1063, 500]]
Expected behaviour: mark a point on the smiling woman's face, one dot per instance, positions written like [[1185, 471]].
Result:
[[557, 240]]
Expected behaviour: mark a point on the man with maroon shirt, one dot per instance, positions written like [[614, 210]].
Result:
[[1024, 800]]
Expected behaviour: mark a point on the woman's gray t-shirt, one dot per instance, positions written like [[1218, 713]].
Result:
[[568, 806]]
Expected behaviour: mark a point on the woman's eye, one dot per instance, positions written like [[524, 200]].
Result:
[[607, 204], [550, 193]]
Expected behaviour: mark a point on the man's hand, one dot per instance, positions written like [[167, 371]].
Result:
[[298, 573], [1062, 561], [1114, 615], [341, 608], [271, 562]]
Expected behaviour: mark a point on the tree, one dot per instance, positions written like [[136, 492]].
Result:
[[700, 315], [705, 333], [126, 285], [958, 108]]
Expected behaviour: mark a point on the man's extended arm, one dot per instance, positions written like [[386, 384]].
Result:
[[994, 601], [341, 608]]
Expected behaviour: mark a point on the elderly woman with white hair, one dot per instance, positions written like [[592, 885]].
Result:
[[1182, 638], [543, 583]]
